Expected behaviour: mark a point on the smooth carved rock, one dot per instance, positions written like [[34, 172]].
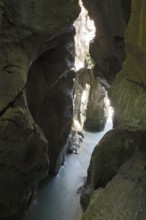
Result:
[[113, 150], [28, 29], [51, 81], [128, 92], [95, 114], [23, 159], [124, 197], [89, 101], [107, 49]]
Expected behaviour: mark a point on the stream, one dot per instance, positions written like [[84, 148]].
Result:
[[58, 198]]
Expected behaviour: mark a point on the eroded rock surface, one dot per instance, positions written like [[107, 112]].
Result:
[[96, 109], [119, 191], [113, 150], [124, 197], [107, 48], [49, 95], [89, 106], [28, 29]]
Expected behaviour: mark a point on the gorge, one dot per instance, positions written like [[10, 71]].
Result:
[[37, 84], [59, 198]]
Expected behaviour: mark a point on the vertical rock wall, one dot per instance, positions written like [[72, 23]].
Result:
[[49, 95], [96, 109], [27, 30], [116, 176], [107, 49], [89, 112], [128, 93]]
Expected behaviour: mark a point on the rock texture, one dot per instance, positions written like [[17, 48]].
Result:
[[96, 109], [128, 93], [50, 79], [27, 30], [89, 104], [73, 141], [119, 193], [124, 197], [107, 48], [114, 149]]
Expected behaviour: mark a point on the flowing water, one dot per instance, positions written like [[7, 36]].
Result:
[[58, 198]]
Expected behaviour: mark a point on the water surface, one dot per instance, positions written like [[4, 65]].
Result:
[[58, 198]]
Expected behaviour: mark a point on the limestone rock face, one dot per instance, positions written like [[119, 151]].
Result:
[[51, 80], [107, 48], [89, 101], [95, 114], [123, 196], [128, 92], [113, 150], [28, 29], [23, 159], [81, 96]]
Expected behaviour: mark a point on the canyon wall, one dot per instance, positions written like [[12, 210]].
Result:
[[89, 105], [30, 31], [49, 95], [115, 187], [36, 78]]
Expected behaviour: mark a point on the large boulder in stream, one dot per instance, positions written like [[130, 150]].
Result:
[[113, 150]]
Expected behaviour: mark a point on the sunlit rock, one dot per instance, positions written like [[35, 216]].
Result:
[[89, 105], [85, 32], [108, 49], [128, 92], [96, 108]]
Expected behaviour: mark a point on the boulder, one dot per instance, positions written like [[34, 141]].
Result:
[[124, 197], [113, 150]]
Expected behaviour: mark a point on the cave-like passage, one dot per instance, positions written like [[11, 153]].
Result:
[[58, 199]]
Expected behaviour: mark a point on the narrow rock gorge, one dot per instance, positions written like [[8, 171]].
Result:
[[43, 97]]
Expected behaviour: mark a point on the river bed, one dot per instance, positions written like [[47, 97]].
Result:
[[58, 198]]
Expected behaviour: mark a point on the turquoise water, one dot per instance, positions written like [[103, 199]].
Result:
[[58, 198]]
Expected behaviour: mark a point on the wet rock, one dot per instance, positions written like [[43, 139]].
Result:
[[74, 140]]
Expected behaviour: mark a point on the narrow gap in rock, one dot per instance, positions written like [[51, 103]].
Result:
[[59, 197]]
